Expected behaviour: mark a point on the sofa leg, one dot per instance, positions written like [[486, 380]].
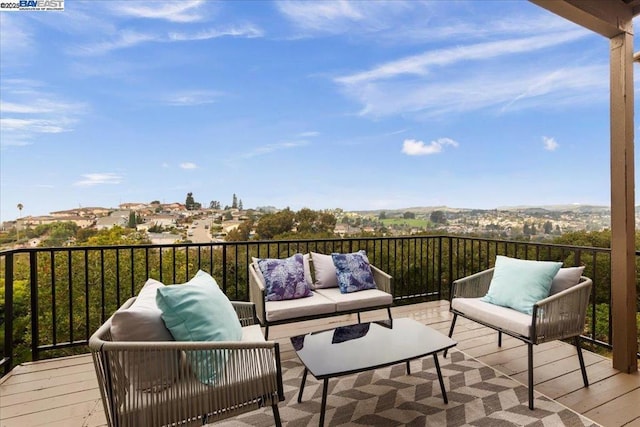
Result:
[[582, 367], [499, 338], [358, 317], [453, 325], [530, 363], [389, 313], [266, 332]]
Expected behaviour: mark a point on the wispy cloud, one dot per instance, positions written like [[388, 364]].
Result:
[[309, 134], [28, 110], [92, 179], [245, 31], [192, 97], [423, 64], [123, 39], [550, 144], [503, 90], [15, 37], [412, 147], [172, 11], [270, 148], [188, 165]]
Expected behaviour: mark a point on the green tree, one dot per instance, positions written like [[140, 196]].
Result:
[[240, 234], [59, 234], [438, 217], [383, 215], [274, 224], [132, 220], [190, 202], [409, 215], [234, 203], [240, 204], [548, 227]]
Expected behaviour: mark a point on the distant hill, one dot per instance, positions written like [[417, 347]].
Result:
[[527, 209]]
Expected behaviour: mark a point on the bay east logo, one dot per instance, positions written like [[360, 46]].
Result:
[[32, 5]]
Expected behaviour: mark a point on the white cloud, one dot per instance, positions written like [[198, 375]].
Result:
[[550, 144], [173, 11], [248, 31], [412, 147], [193, 97], [423, 64], [188, 165], [28, 110], [309, 134], [504, 89], [15, 36], [269, 148], [92, 179], [324, 16], [123, 39]]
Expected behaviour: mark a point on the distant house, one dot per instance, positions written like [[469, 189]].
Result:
[[160, 220], [117, 218], [132, 206], [163, 238]]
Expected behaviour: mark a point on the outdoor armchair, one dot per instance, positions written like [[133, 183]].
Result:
[[249, 376], [561, 315]]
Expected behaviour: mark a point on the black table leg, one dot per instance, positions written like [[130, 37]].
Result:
[[304, 379], [323, 407], [408, 368], [444, 393]]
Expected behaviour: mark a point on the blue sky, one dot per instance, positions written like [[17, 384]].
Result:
[[352, 105]]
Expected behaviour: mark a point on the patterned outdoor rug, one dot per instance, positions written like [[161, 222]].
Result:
[[478, 396]]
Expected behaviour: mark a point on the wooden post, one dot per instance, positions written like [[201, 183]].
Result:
[[623, 270]]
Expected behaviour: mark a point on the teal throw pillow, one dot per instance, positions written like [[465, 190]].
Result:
[[519, 284], [199, 311]]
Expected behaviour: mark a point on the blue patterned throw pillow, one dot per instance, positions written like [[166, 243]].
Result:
[[284, 278], [353, 271]]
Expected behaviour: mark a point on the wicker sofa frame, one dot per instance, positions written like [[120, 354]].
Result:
[[251, 378], [257, 294], [557, 317]]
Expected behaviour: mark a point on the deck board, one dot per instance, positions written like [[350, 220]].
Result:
[[64, 392]]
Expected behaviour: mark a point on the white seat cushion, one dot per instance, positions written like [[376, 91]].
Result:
[[300, 307], [491, 314], [252, 333], [356, 300]]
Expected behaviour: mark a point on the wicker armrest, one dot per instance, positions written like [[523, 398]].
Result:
[[246, 312], [257, 293], [562, 315], [382, 280], [473, 286]]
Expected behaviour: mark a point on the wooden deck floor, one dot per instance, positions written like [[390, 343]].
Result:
[[63, 391]]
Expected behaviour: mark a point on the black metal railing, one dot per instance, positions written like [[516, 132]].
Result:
[[54, 298]]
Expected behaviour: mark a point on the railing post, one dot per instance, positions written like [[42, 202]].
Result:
[[35, 332], [7, 360], [224, 269]]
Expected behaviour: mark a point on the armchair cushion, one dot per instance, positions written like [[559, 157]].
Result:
[[495, 315], [142, 321], [565, 279], [199, 311], [519, 284], [284, 278]]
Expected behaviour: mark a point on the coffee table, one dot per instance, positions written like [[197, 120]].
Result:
[[356, 348]]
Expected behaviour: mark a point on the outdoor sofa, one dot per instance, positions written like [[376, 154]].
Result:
[[323, 290]]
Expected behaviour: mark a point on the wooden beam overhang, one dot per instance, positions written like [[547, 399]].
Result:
[[614, 20], [608, 18]]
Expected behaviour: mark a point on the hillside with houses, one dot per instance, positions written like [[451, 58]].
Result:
[[168, 223]]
